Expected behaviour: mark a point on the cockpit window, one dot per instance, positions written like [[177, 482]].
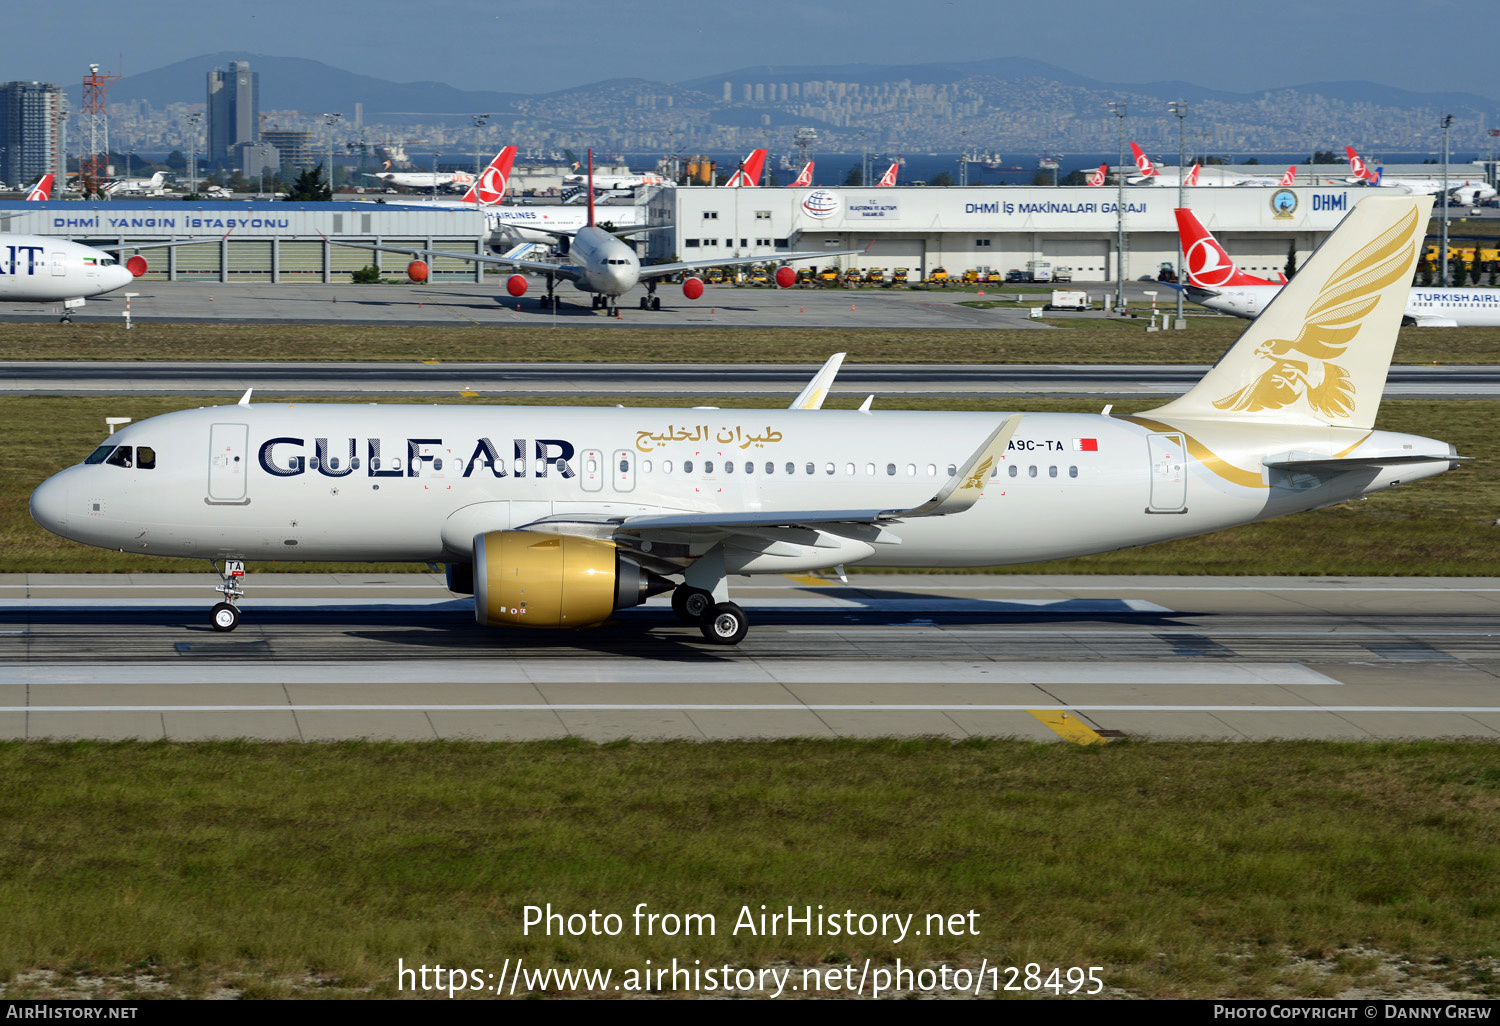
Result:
[[145, 457], [100, 454], [121, 457]]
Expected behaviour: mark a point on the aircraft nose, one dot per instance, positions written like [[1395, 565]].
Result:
[[49, 504]]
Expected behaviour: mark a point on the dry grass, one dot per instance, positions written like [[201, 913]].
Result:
[[1185, 870], [1083, 341]]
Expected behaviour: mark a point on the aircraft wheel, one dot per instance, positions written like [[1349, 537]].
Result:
[[645, 303], [692, 604], [725, 625], [224, 617], [656, 302]]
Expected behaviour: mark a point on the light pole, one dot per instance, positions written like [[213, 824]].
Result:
[[436, 156], [330, 120], [1443, 197], [479, 120], [193, 121], [1180, 108], [1118, 110]]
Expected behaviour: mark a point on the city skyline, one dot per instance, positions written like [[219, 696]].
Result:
[[545, 46]]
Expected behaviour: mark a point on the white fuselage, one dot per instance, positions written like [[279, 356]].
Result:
[[610, 267], [418, 483], [1425, 307], [41, 269], [418, 179]]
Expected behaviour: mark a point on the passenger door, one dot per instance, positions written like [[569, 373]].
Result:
[[228, 460], [1168, 473]]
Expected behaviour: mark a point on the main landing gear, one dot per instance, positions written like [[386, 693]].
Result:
[[607, 303], [549, 300], [722, 623], [225, 616]]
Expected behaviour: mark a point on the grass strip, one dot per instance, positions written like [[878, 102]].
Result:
[[1085, 341], [1442, 527], [1184, 869]]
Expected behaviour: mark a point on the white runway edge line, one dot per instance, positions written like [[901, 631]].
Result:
[[502, 671], [774, 707]]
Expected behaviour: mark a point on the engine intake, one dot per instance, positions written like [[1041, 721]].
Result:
[[535, 579]]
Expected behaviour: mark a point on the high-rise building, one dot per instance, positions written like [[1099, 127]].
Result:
[[294, 148], [30, 120], [233, 109]]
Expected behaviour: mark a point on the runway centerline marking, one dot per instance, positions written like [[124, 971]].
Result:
[[768, 707]]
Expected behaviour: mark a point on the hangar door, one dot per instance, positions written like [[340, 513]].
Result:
[[891, 254], [1262, 256], [1089, 258]]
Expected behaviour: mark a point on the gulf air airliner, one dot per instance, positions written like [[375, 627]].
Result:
[[557, 517]]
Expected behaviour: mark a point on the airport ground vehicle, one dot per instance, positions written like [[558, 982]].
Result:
[[1068, 300], [875, 276], [1062, 275], [898, 277], [1039, 270], [939, 276], [829, 275]]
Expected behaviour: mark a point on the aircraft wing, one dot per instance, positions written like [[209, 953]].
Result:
[[960, 492], [662, 270], [567, 272]]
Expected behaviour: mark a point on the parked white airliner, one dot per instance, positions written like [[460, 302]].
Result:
[[43, 269], [1214, 281], [556, 517], [601, 264]]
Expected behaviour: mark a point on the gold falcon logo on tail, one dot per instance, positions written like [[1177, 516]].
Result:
[[1304, 366]]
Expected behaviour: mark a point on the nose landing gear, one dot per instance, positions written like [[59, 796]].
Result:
[[225, 616]]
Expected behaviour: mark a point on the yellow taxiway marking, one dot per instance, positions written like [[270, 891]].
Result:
[[1070, 728], [811, 580], [468, 394], [432, 361]]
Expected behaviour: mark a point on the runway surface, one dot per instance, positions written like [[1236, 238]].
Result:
[[460, 303], [780, 381], [1050, 658]]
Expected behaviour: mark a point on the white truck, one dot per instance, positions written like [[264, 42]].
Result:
[[1062, 300], [1038, 270]]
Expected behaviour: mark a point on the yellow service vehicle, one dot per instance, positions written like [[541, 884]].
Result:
[[899, 275], [971, 277], [875, 276], [852, 276], [829, 274], [939, 276], [715, 276], [758, 275], [805, 274]]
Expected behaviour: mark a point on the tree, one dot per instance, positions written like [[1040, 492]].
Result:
[[310, 187], [1477, 267], [855, 177], [176, 161], [1252, 160], [941, 178], [1322, 157], [1291, 259], [1076, 178]]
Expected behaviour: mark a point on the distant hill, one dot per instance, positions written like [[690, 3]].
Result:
[[293, 83]]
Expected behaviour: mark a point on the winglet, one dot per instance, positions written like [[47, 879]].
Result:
[[245, 399], [811, 397], [967, 486]]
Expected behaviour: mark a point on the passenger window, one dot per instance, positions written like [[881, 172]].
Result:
[[729, 466], [100, 454], [437, 463], [932, 470], [828, 468], [354, 463], [624, 466], [1072, 471], [312, 463], [145, 457], [708, 466], [120, 457], [666, 466], [849, 469], [811, 469], [770, 467], [890, 470], [333, 463], [591, 465], [374, 462], [1014, 470], [911, 470], [952, 470], [749, 467], [645, 466], [687, 466], [1031, 471], [1051, 471]]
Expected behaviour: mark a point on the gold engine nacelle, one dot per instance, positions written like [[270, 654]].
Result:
[[531, 579]]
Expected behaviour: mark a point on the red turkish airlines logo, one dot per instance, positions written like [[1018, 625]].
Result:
[[491, 187], [1143, 162], [1357, 165], [1208, 264]]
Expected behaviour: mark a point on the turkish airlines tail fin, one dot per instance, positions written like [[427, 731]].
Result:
[[1208, 265], [1359, 167], [1320, 352], [1143, 162], [1192, 176], [41, 191], [1290, 177], [490, 188], [1098, 177], [804, 180], [748, 176], [889, 178]]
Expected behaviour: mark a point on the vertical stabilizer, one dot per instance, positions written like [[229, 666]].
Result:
[[1290, 177], [748, 176], [1143, 162], [1097, 178], [41, 191], [1192, 176], [888, 180], [490, 188], [1320, 352], [1209, 266], [804, 180]]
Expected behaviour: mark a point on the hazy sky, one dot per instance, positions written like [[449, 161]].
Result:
[[541, 45]]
